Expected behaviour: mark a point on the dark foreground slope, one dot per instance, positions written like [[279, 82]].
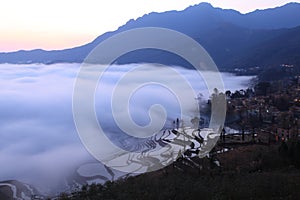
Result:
[[247, 172]]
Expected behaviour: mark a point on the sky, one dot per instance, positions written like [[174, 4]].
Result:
[[60, 24]]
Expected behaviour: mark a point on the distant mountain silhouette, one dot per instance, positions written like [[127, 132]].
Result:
[[286, 16], [282, 49], [260, 38]]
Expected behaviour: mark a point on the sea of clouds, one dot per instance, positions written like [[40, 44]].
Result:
[[39, 143]]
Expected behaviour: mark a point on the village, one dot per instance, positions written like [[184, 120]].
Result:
[[262, 126], [270, 114]]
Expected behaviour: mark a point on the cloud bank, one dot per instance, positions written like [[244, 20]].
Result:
[[38, 139]]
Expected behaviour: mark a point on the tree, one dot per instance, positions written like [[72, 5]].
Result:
[[228, 93]]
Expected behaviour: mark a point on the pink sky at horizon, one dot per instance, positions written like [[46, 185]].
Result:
[[54, 25]]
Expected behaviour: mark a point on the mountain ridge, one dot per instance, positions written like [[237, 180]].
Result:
[[225, 33]]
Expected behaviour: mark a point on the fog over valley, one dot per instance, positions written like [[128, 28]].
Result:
[[38, 139]]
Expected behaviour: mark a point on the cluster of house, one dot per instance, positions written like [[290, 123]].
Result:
[[272, 109]]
